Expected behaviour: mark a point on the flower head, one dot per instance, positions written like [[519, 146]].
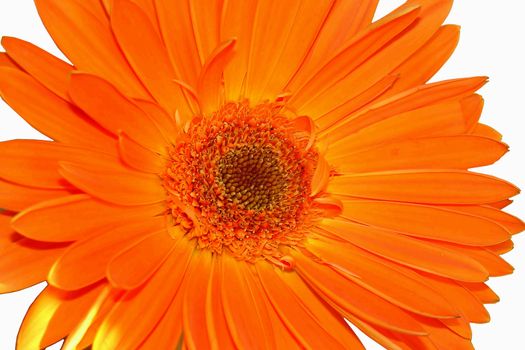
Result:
[[249, 174]]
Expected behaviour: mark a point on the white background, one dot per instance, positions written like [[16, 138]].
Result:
[[492, 43]]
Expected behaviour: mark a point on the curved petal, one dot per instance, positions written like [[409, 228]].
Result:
[[25, 262], [50, 114], [49, 70], [419, 255], [17, 198], [429, 222], [249, 330], [153, 68], [53, 315], [446, 152], [133, 266], [69, 272], [76, 217], [136, 314], [115, 185], [311, 332], [113, 111], [424, 186], [35, 163], [88, 42]]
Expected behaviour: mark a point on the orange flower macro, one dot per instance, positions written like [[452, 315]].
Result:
[[232, 174]]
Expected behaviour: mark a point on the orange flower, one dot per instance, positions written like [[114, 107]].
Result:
[[249, 174]]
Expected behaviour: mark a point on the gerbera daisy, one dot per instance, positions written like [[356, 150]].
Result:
[[249, 174]]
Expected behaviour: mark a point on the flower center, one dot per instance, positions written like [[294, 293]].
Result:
[[241, 177]]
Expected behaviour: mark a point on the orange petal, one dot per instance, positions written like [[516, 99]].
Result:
[[168, 332], [502, 248], [16, 198], [513, 224], [376, 276], [50, 114], [435, 120], [237, 22], [482, 292], [76, 217], [492, 262], [133, 266], [307, 328], [486, 131], [218, 332], [283, 33], [332, 321], [430, 222], [348, 59], [412, 99], [35, 163], [352, 299], [165, 122], [447, 152], [49, 70], [116, 185], [113, 111], [428, 186], [249, 330], [175, 22], [462, 298], [135, 316], [419, 255], [25, 262], [88, 42], [69, 272], [153, 68], [139, 157], [196, 334], [344, 21], [426, 61], [210, 84], [53, 315], [205, 20], [443, 338], [6, 61], [321, 176]]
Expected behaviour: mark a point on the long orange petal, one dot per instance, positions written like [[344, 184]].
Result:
[[446, 152], [35, 163], [415, 98], [196, 333], [153, 68], [210, 84], [116, 185], [414, 220], [76, 217], [139, 157], [136, 315], [249, 330], [376, 276], [352, 299], [113, 111], [17, 198], [53, 315], [419, 255], [88, 42], [427, 186], [69, 271], [303, 325], [425, 62], [177, 31], [50, 114], [49, 70], [133, 266], [25, 262], [347, 60]]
